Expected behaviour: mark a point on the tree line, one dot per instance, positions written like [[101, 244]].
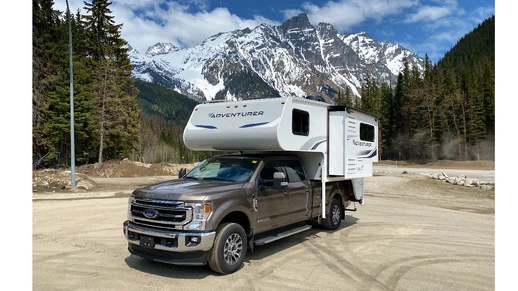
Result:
[[106, 115], [445, 112], [163, 118]]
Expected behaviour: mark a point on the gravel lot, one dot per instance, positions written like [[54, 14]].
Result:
[[413, 234]]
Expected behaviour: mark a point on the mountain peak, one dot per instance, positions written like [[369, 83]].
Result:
[[326, 27], [364, 34], [300, 21], [131, 50], [160, 48]]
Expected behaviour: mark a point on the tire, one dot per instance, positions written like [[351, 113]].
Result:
[[334, 217], [229, 250]]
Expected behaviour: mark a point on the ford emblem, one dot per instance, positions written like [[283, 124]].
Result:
[[151, 213]]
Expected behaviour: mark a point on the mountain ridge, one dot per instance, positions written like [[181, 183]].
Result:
[[292, 59]]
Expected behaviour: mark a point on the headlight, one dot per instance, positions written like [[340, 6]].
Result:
[[200, 214]]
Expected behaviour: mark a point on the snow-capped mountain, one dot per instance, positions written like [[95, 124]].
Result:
[[130, 49], [294, 58], [161, 48]]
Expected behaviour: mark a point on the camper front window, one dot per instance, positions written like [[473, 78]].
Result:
[[300, 122]]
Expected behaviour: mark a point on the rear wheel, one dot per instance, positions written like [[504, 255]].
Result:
[[229, 250], [334, 217]]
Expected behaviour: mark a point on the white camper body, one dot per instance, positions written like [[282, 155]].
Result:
[[333, 142]]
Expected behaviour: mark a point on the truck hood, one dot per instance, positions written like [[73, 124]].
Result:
[[193, 190]]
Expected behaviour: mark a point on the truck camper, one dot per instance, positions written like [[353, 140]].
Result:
[[298, 162]]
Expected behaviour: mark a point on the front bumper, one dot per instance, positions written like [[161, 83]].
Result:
[[170, 241]]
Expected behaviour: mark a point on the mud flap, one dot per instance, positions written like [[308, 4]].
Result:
[[358, 190]]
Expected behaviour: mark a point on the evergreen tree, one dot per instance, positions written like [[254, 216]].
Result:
[[340, 99], [429, 106], [44, 65], [451, 110], [488, 92], [348, 98], [371, 96], [386, 125], [476, 117], [114, 93], [56, 131], [397, 118]]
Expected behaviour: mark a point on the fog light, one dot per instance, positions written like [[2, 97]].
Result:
[[192, 241]]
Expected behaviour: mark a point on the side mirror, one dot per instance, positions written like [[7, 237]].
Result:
[[279, 180], [183, 172]]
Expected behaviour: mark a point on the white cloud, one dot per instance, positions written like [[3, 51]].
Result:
[[289, 13], [428, 13], [345, 14], [183, 23]]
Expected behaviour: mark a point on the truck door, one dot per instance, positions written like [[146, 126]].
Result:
[[280, 207], [298, 191], [271, 203]]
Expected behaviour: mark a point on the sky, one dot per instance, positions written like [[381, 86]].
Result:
[[429, 27]]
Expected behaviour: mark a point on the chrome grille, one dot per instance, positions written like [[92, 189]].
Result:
[[170, 213]]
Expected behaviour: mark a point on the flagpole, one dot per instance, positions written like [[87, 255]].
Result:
[[72, 141]]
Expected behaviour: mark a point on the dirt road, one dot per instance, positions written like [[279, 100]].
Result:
[[412, 234]]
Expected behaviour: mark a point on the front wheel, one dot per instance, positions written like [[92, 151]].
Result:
[[229, 250], [334, 217]]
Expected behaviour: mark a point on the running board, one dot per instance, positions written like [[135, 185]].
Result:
[[280, 235]]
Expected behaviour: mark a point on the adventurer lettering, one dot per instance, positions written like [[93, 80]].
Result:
[[362, 143], [236, 114]]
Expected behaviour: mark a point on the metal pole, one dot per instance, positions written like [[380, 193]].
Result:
[[72, 141]]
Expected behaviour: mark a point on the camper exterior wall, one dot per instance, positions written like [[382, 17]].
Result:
[[353, 143], [258, 125], [310, 138], [241, 125]]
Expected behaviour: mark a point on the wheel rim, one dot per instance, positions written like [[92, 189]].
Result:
[[335, 214], [233, 248]]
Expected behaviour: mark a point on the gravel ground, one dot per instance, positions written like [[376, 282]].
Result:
[[414, 233]]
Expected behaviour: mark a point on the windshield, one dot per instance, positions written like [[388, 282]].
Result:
[[228, 169]]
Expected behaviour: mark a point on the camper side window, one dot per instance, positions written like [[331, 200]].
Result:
[[366, 132], [300, 122]]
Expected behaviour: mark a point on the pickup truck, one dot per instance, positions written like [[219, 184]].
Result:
[[227, 205]]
